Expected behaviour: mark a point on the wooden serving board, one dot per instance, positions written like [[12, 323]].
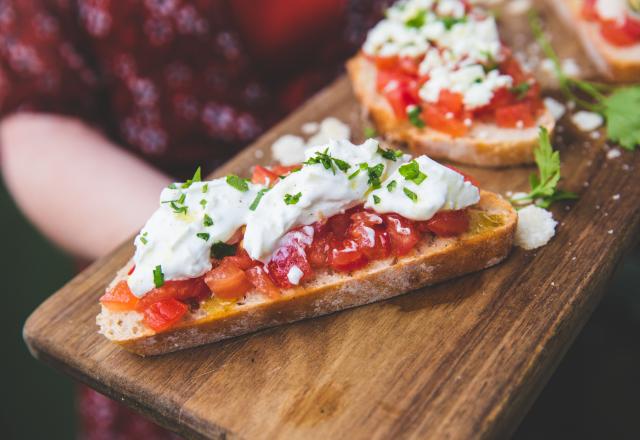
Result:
[[462, 359]]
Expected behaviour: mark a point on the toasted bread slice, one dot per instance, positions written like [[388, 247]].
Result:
[[489, 240], [617, 63], [485, 145]]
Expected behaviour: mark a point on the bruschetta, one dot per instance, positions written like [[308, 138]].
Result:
[[350, 226], [434, 74]]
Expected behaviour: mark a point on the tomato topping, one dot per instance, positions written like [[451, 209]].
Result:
[[401, 91], [261, 281], [589, 11], [347, 257], [227, 281], [263, 176], [403, 233], [386, 63], [449, 223], [617, 33], [177, 289], [515, 116], [119, 298], [467, 177], [164, 314], [451, 102], [318, 254], [241, 259], [632, 26], [284, 170], [290, 254], [442, 120]]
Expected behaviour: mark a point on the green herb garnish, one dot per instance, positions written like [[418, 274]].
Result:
[[203, 202], [220, 249], [374, 175], [618, 105], [178, 209], [413, 113], [238, 183], [158, 276], [520, 90], [389, 154], [207, 221], [328, 161], [376, 199], [205, 187], [418, 20], [292, 199], [411, 171], [143, 238], [544, 185], [369, 132], [203, 235], [450, 22], [413, 196], [391, 186], [197, 177], [256, 201]]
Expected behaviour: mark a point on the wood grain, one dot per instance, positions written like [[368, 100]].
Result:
[[459, 360]]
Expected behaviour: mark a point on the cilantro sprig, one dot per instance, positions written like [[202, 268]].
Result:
[[544, 184], [411, 171], [238, 183], [390, 154], [328, 161], [618, 105], [292, 199]]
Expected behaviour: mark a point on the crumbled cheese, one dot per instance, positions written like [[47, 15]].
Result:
[[554, 107], [570, 67], [536, 227], [330, 128], [616, 197], [610, 232], [310, 127], [613, 153], [294, 275], [288, 149], [611, 9], [587, 121]]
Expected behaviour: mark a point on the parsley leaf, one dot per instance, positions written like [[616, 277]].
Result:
[[178, 209], [205, 187], [143, 238], [238, 183], [449, 22], [418, 20], [197, 177], [203, 203], [208, 221], [292, 199], [158, 276], [413, 113], [411, 171], [621, 110], [544, 185], [520, 90], [389, 154], [413, 196], [220, 249], [376, 199], [203, 235], [328, 161], [374, 175], [391, 186], [256, 201]]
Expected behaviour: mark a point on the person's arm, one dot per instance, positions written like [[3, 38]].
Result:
[[82, 191]]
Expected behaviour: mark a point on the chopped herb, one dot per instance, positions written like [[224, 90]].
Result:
[[354, 174], [203, 235], [370, 132], [450, 22], [172, 186], [391, 186], [413, 113], [158, 276], [544, 185], [328, 161], [618, 105], [205, 187], [256, 201], [178, 209], [362, 167], [203, 202], [413, 196], [143, 239], [197, 177], [208, 221], [376, 199], [374, 175], [418, 20], [292, 199], [520, 90], [238, 183], [219, 250], [411, 171], [389, 154], [182, 198]]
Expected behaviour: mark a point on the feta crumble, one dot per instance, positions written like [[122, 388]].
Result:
[[587, 121], [536, 227], [556, 108]]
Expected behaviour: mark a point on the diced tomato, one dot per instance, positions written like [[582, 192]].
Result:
[[263, 176], [338, 224], [241, 259], [164, 314], [467, 177], [347, 257], [437, 118], [178, 289], [261, 281], [386, 63], [451, 101], [513, 116], [399, 89], [369, 235], [617, 33], [318, 253], [292, 252], [449, 223], [402, 233], [227, 281], [284, 170], [632, 26], [409, 66], [120, 298], [589, 11], [510, 66]]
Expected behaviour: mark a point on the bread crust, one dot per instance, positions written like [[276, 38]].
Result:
[[616, 63], [485, 145], [433, 262]]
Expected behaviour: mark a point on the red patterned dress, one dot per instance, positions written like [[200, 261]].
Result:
[[178, 82]]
